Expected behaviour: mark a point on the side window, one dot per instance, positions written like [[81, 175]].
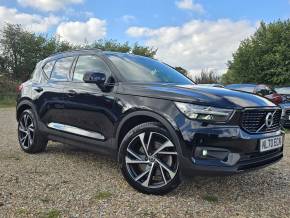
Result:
[[36, 73], [61, 69], [48, 68], [89, 63]]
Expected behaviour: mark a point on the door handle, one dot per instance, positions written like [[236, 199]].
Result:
[[38, 89], [71, 93]]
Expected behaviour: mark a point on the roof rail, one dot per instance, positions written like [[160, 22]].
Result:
[[76, 50]]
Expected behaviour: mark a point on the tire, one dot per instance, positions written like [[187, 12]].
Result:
[[153, 169], [31, 140]]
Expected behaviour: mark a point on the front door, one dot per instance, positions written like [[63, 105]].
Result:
[[88, 109]]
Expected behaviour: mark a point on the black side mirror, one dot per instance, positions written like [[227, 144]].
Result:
[[95, 77]]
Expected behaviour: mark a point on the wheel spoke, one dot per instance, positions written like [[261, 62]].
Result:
[[21, 129], [147, 181], [167, 144], [134, 154], [29, 139], [31, 127], [149, 140], [142, 175], [25, 117], [130, 161], [171, 173], [22, 125], [141, 137], [162, 173], [22, 140]]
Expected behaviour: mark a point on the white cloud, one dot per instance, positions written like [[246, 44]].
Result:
[[128, 18], [81, 32], [196, 44], [190, 5], [48, 5], [32, 22]]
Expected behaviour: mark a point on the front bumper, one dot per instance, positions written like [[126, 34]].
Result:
[[237, 150]]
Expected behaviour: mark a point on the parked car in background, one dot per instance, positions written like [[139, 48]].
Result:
[[285, 114], [284, 91], [213, 85], [258, 89]]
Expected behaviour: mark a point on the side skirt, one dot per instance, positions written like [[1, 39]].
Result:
[[76, 131]]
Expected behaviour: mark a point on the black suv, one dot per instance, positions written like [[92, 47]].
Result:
[[157, 123]]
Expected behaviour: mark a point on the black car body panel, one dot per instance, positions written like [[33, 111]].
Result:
[[216, 97], [102, 115]]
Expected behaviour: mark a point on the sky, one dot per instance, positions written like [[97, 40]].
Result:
[[193, 34]]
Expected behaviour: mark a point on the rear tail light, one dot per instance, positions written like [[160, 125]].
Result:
[[19, 88]]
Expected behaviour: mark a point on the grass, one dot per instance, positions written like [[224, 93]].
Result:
[[102, 195], [5, 156], [210, 198], [7, 100], [52, 213], [22, 211], [287, 130]]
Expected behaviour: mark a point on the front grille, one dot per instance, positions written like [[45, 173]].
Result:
[[254, 120]]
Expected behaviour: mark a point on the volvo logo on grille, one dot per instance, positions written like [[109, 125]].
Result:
[[269, 120]]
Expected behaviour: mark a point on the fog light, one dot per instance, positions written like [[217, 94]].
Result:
[[204, 152]]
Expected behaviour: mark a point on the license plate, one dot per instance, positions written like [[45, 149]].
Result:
[[271, 143]]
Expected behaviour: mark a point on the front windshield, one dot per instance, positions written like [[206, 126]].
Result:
[[142, 69]]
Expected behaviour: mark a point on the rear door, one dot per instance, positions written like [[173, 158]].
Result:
[[51, 90], [88, 108]]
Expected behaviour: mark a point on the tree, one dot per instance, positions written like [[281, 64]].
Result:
[[143, 50], [113, 45], [183, 71], [263, 57], [21, 50], [110, 45], [207, 77]]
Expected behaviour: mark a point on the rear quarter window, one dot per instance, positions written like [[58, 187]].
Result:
[[61, 69], [47, 68]]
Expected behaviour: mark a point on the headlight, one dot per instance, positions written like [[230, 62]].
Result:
[[206, 113]]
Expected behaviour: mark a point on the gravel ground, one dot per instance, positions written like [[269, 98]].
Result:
[[67, 182]]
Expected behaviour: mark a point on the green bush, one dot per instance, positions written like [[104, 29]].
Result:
[[262, 58], [7, 84], [7, 99]]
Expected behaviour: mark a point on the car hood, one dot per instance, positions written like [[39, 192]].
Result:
[[217, 97]]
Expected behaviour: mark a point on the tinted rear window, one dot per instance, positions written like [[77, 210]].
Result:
[[48, 68], [61, 69]]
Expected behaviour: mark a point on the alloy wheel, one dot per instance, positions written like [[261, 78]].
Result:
[[26, 131], [151, 159]]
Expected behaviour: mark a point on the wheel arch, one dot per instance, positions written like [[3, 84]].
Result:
[[22, 106], [146, 116]]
